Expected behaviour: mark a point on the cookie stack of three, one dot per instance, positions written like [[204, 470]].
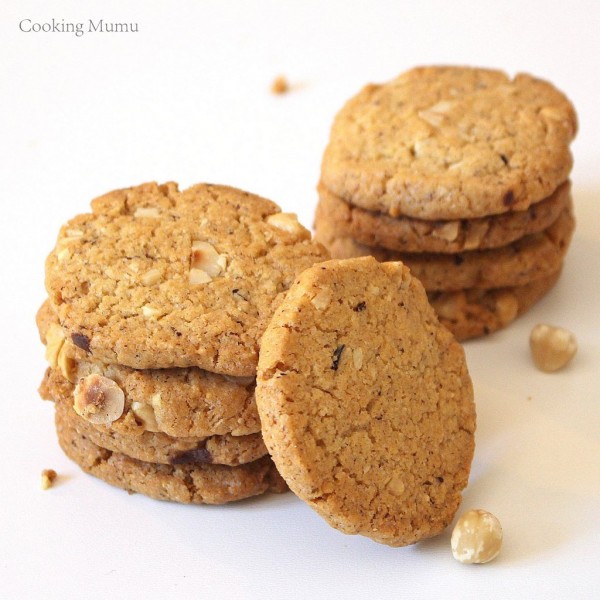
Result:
[[157, 302], [461, 174]]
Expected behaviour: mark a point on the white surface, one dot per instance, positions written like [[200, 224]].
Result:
[[187, 98]]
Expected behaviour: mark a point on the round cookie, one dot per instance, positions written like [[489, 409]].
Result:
[[405, 234], [198, 484], [475, 312], [532, 257], [450, 143], [158, 278], [183, 402], [365, 401], [149, 446]]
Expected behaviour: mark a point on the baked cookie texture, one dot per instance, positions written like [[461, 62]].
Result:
[[183, 402], [450, 143], [462, 174], [197, 484], [157, 301], [476, 312], [365, 401], [527, 259], [155, 277], [156, 447], [406, 234]]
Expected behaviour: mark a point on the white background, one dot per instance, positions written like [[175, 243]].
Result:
[[187, 98]]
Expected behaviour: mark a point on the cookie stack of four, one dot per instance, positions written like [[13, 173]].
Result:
[[461, 174], [157, 303]]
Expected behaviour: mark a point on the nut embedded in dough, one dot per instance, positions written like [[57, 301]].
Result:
[[98, 399], [288, 222], [145, 413], [55, 338], [205, 259]]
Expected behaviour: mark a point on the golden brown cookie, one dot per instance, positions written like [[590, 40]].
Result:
[[476, 312], [450, 143], [180, 402], [155, 277], [405, 234], [365, 401], [155, 447], [532, 257], [198, 484]]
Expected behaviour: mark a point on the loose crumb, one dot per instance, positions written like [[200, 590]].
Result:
[[48, 478], [280, 85]]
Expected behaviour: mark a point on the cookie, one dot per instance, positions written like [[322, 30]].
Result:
[[182, 402], [532, 257], [198, 484], [450, 143], [155, 447], [365, 401], [475, 312], [155, 277], [405, 234]]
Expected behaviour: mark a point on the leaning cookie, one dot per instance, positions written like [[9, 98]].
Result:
[[450, 143], [155, 277], [366, 403], [184, 402], [198, 484], [154, 447], [405, 234], [532, 257]]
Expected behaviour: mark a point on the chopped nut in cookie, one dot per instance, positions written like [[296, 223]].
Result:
[[205, 259], [145, 414], [198, 276], [148, 212], [67, 366], [552, 348], [288, 222], [48, 478], [98, 399], [55, 338], [507, 307], [151, 277], [477, 537], [448, 231], [150, 312], [321, 299]]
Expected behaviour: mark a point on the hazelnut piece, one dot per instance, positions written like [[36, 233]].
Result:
[[98, 399], [288, 222], [477, 537], [206, 263], [48, 478], [551, 347], [145, 413]]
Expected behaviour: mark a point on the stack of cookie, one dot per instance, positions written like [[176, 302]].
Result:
[[157, 303], [461, 174]]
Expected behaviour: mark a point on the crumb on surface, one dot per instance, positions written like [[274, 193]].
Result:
[[280, 85], [48, 478]]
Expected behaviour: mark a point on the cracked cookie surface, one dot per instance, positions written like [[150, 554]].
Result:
[[366, 403], [404, 234], [155, 277], [450, 143], [197, 484], [532, 257]]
